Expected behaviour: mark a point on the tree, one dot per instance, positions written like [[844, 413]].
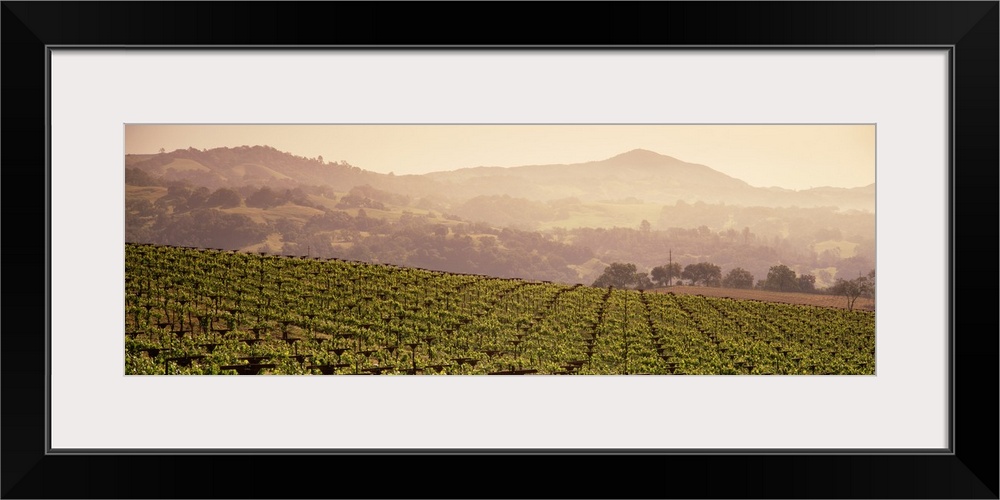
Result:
[[225, 198], [295, 196], [852, 289], [738, 278], [263, 198], [662, 275], [362, 222], [871, 285], [329, 221], [177, 195], [781, 278], [643, 282], [807, 283], [618, 275], [644, 226], [137, 177], [208, 227], [703, 272], [198, 198], [289, 229]]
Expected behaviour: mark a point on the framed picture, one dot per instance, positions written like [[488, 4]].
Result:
[[923, 74]]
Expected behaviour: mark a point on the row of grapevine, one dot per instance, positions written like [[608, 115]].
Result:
[[203, 311]]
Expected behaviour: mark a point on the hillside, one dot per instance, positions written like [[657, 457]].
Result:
[[261, 199], [640, 175], [637, 174]]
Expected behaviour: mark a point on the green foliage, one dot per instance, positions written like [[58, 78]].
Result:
[[738, 278], [201, 312], [198, 198], [356, 201], [618, 275], [704, 273], [137, 177], [781, 278], [642, 282], [264, 198], [209, 227], [224, 198], [806, 283], [665, 274]]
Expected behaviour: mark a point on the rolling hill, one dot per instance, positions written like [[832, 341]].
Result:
[[636, 176]]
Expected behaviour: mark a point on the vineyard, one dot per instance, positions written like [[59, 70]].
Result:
[[197, 311]]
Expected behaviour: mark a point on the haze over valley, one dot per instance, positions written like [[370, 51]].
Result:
[[558, 222]]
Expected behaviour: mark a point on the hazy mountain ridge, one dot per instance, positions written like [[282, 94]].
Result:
[[551, 222], [638, 174], [245, 165]]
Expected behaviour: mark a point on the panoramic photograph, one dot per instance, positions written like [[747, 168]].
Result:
[[499, 249]]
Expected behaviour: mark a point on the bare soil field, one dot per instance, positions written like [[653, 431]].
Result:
[[809, 299]]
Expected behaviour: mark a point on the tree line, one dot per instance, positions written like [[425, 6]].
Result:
[[779, 278]]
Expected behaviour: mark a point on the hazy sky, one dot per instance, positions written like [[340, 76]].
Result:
[[789, 156]]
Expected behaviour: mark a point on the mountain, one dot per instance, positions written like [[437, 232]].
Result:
[[234, 167], [265, 165], [637, 176], [640, 175]]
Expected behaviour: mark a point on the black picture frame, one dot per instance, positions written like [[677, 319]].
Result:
[[970, 29]]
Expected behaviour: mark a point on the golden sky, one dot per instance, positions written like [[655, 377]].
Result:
[[789, 156]]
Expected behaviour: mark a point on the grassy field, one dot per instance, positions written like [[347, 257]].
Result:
[[150, 193], [287, 211], [604, 214]]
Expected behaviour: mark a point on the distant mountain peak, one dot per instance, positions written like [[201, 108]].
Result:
[[638, 154], [645, 161]]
